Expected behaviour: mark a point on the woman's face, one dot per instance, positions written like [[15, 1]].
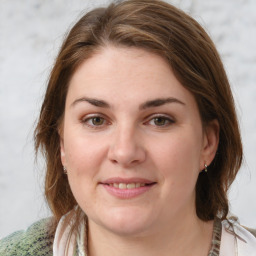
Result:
[[132, 142]]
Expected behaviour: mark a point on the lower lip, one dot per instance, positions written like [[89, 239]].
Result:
[[127, 193]]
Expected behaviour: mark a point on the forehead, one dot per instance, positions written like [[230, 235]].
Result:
[[125, 73]]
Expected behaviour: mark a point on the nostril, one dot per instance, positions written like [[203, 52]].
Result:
[[113, 161]]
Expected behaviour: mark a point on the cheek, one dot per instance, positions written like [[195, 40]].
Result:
[[179, 160], [84, 160], [83, 152]]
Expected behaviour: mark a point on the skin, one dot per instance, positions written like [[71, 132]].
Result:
[[127, 140]]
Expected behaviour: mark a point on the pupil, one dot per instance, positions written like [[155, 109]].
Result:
[[97, 121], [159, 121]]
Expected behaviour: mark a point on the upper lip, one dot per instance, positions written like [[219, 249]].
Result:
[[127, 180]]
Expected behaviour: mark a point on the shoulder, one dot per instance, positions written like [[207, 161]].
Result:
[[251, 230], [244, 239], [37, 240]]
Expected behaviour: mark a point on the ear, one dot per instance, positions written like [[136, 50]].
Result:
[[210, 143], [62, 148]]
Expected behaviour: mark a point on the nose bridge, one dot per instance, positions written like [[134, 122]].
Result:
[[127, 145]]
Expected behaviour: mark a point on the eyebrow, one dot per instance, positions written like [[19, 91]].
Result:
[[148, 104], [94, 102], [159, 102]]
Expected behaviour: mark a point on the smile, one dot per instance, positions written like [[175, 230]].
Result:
[[127, 189], [127, 186]]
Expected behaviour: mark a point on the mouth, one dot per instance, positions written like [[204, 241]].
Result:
[[127, 188], [123, 185]]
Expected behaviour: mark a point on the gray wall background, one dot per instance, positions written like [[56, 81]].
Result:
[[30, 35]]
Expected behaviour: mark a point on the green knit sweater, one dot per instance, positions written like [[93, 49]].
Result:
[[35, 241]]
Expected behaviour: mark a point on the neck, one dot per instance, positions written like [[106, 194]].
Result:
[[183, 237]]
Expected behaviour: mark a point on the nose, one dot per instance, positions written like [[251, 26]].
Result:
[[126, 148]]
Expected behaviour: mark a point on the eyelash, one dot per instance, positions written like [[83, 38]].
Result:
[[90, 119], [167, 121]]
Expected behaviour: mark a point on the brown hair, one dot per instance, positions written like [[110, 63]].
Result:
[[167, 31]]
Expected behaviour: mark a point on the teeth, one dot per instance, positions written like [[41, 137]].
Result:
[[122, 186], [131, 185], [127, 186], [138, 185]]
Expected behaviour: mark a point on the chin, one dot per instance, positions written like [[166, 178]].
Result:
[[126, 222]]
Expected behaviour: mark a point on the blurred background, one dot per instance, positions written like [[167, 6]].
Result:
[[30, 35]]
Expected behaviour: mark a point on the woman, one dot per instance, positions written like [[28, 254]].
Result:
[[141, 140]]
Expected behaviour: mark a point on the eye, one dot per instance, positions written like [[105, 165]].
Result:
[[97, 120], [161, 121], [94, 121]]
